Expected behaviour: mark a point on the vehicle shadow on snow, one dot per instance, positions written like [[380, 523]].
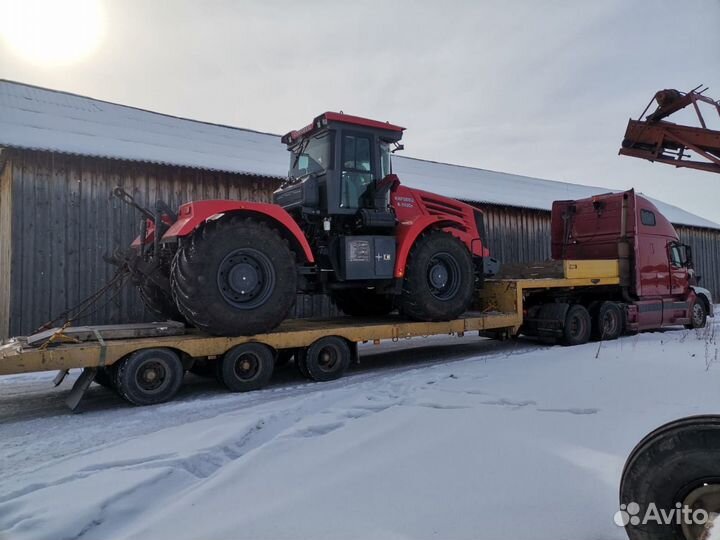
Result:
[[39, 399]]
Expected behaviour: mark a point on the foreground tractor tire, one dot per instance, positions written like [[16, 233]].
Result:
[[363, 302], [234, 277], [439, 278], [678, 463]]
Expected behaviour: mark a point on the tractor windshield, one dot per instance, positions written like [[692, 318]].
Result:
[[310, 156]]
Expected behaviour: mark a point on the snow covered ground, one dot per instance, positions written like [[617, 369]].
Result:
[[438, 438]]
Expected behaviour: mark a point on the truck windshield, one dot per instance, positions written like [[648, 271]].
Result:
[[310, 156]]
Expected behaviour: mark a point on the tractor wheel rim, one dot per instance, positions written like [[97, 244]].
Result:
[[247, 367], [328, 358], [246, 278], [704, 497], [443, 276], [152, 377]]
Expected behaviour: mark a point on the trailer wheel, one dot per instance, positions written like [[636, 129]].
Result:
[[247, 367], [698, 315], [363, 302], [234, 277], [149, 376], [675, 464], [327, 359], [439, 278], [607, 321], [576, 330]]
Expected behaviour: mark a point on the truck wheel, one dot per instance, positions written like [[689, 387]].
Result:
[[607, 322], [439, 278], [363, 302], [327, 359], [675, 464], [149, 376], [577, 326], [247, 367], [234, 277], [698, 315]]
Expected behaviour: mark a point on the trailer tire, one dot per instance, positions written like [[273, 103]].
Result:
[[676, 463], [326, 359], [149, 376], [234, 277], [439, 278], [577, 327], [363, 302], [247, 367], [698, 314], [607, 321]]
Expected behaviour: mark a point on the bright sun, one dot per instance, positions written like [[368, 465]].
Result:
[[51, 32]]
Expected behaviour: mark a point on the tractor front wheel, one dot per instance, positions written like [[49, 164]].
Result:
[[439, 278], [235, 277]]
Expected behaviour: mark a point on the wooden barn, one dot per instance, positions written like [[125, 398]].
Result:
[[61, 155]]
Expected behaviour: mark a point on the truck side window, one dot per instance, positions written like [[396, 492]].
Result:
[[356, 169], [647, 218]]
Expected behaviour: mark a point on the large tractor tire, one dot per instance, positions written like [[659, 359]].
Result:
[[439, 278], [363, 302], [678, 464], [234, 277], [159, 302]]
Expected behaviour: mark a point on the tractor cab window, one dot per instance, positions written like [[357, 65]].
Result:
[[311, 156], [356, 169]]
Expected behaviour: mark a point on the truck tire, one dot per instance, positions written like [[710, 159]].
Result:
[[363, 302], [439, 278], [326, 359], [247, 367], [149, 376], [234, 277], [577, 327], [676, 463], [607, 321], [698, 315]]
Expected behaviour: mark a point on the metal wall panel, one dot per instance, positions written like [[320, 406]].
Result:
[[65, 221], [517, 235], [705, 245]]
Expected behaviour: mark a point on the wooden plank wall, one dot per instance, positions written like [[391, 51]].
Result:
[[5, 244]]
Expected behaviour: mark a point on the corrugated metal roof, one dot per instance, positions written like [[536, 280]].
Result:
[[42, 119]]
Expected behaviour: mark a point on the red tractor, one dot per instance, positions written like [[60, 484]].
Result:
[[341, 224]]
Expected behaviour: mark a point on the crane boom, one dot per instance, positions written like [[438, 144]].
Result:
[[655, 139]]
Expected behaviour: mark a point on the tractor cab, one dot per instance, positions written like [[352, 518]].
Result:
[[337, 167]]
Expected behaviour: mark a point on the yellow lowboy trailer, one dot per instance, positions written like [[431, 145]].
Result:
[[145, 362]]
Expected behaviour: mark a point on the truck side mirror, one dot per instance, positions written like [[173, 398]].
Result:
[[688, 259]]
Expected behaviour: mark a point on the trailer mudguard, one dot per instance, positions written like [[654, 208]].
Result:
[[192, 215]]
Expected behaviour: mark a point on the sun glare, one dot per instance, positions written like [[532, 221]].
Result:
[[51, 32]]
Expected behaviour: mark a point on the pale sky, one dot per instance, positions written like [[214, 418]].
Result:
[[539, 88]]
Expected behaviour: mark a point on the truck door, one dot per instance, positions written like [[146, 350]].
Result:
[[678, 268]]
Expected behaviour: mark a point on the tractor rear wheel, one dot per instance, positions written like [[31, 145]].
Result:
[[159, 302], [363, 302], [234, 277], [439, 278]]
